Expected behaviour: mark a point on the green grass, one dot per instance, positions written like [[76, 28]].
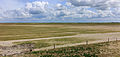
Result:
[[78, 51]]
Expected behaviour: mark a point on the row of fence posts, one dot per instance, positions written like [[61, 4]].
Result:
[[55, 45], [88, 42], [115, 40]]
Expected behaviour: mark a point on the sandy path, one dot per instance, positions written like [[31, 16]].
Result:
[[95, 36]]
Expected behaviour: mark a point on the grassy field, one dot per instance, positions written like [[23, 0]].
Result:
[[81, 31], [16, 31]]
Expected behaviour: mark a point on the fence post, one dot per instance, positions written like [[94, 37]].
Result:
[[54, 46], [108, 40], [87, 42], [116, 40]]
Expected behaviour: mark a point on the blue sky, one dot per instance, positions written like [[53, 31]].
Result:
[[59, 11]]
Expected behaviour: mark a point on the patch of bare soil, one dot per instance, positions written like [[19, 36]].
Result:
[[15, 49], [111, 49]]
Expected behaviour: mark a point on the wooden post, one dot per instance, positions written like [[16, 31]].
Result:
[[116, 39], [30, 47], [108, 40], [54, 46], [86, 42]]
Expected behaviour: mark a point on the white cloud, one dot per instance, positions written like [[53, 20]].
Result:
[[34, 9], [98, 4], [68, 4], [18, 13], [74, 9], [37, 7]]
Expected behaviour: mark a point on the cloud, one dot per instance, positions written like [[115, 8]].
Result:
[[72, 9], [97, 4], [36, 7]]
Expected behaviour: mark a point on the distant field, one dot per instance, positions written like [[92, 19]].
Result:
[[15, 31]]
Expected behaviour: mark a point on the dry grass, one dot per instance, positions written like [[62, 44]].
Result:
[[30, 31]]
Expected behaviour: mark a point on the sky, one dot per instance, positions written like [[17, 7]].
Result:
[[43, 11]]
